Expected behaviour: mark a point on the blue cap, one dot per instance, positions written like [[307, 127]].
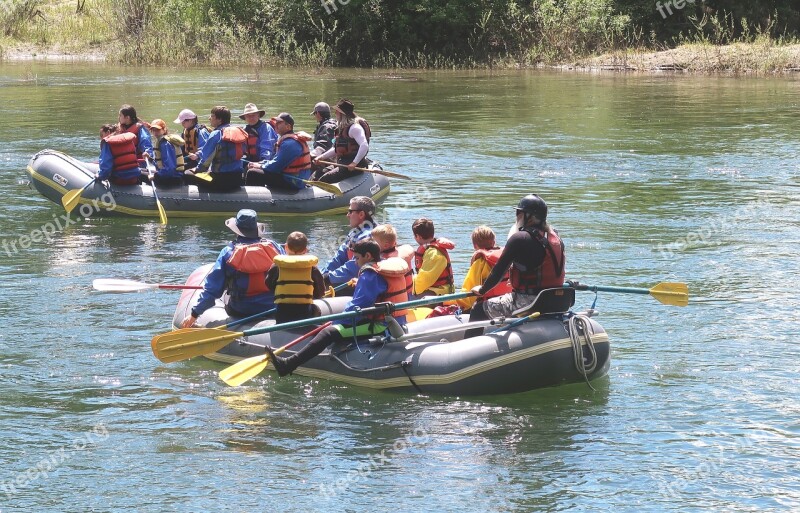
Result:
[[246, 224]]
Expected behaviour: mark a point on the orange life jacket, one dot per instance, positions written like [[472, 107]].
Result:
[[394, 270], [551, 271], [492, 256], [346, 146], [251, 261], [301, 163], [123, 150], [234, 142], [442, 244], [192, 138], [134, 129]]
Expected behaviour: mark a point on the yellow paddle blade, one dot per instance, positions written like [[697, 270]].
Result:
[[71, 199], [675, 294], [327, 187], [186, 343], [204, 176], [244, 370], [162, 214]]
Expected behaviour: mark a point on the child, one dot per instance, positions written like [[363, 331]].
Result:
[[434, 272], [483, 261], [167, 155], [296, 280]]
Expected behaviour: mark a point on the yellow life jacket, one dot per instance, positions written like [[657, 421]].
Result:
[[295, 285], [177, 143]]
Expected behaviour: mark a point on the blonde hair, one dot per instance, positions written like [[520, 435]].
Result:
[[385, 234], [483, 237]]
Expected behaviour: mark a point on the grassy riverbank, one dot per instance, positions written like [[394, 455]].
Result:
[[577, 35]]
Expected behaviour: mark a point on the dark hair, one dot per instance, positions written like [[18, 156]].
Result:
[[368, 247], [108, 128], [297, 242], [222, 113], [423, 227], [128, 110]]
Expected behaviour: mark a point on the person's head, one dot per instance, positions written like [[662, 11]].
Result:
[[361, 209], [385, 235], [283, 123], [158, 128], [532, 211], [127, 115], [483, 238], [365, 251], [345, 110], [187, 118], [107, 129], [220, 115], [246, 224], [321, 111], [422, 229], [251, 114], [297, 243]]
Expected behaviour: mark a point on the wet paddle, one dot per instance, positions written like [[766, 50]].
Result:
[[71, 199], [249, 368], [114, 285], [151, 170], [667, 293], [376, 171], [189, 342]]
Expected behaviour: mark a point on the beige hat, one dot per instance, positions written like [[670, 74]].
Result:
[[246, 224], [251, 108]]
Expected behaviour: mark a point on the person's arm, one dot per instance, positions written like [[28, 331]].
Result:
[[168, 159], [343, 274], [202, 137], [289, 150], [514, 246], [370, 285], [357, 133], [266, 142], [328, 155], [271, 280], [338, 259], [213, 285], [477, 273], [319, 283], [145, 143], [433, 263], [206, 153], [106, 161]]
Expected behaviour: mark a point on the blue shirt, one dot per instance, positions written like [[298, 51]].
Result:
[[267, 137], [213, 145], [287, 152], [363, 231], [107, 165], [370, 285], [169, 161]]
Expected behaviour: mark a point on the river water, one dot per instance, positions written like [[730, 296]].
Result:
[[648, 178]]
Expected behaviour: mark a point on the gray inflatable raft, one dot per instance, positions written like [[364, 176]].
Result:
[[540, 353], [53, 174]]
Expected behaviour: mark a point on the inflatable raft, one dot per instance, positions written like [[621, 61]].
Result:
[[435, 357], [54, 173]]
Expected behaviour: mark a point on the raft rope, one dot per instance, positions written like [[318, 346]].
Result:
[[580, 326]]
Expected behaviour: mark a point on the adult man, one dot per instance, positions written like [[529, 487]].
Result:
[[222, 152], [342, 268], [129, 122], [536, 256], [378, 281], [195, 135], [241, 269], [325, 132], [261, 137], [291, 163], [118, 163], [351, 144]]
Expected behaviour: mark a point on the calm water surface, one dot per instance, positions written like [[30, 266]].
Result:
[[649, 179]]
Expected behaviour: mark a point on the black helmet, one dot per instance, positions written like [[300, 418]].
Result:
[[533, 204]]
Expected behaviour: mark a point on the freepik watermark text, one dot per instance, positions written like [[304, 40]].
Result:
[[669, 5]]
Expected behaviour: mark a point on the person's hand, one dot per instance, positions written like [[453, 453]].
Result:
[[476, 290], [192, 156], [189, 321], [351, 166], [255, 166], [189, 172]]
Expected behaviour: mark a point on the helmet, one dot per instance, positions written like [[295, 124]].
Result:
[[533, 204]]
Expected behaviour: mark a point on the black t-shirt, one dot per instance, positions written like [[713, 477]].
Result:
[[524, 250]]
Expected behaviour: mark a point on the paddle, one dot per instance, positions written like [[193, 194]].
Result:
[[189, 342], [114, 285], [204, 176], [249, 368], [151, 170], [71, 199], [668, 293], [376, 171], [327, 187]]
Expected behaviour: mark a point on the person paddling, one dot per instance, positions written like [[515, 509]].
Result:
[[351, 145], [167, 155], [378, 281], [241, 269], [291, 164]]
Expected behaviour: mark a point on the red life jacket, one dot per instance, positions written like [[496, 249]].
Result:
[[492, 256], [346, 146], [134, 129], [551, 271], [301, 163], [406, 255], [442, 244], [123, 150], [251, 262], [394, 270]]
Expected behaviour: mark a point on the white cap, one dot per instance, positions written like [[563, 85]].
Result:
[[184, 115]]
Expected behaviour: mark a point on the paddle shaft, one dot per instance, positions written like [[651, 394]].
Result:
[[624, 290], [365, 170]]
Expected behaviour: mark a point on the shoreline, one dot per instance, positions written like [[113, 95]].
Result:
[[759, 58]]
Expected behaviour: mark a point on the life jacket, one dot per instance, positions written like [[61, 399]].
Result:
[[364, 234], [295, 285], [301, 163], [394, 271], [549, 274], [252, 141], [232, 148], [176, 143], [123, 150], [191, 136], [405, 252], [251, 263], [492, 256], [442, 244], [346, 146], [134, 129]]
